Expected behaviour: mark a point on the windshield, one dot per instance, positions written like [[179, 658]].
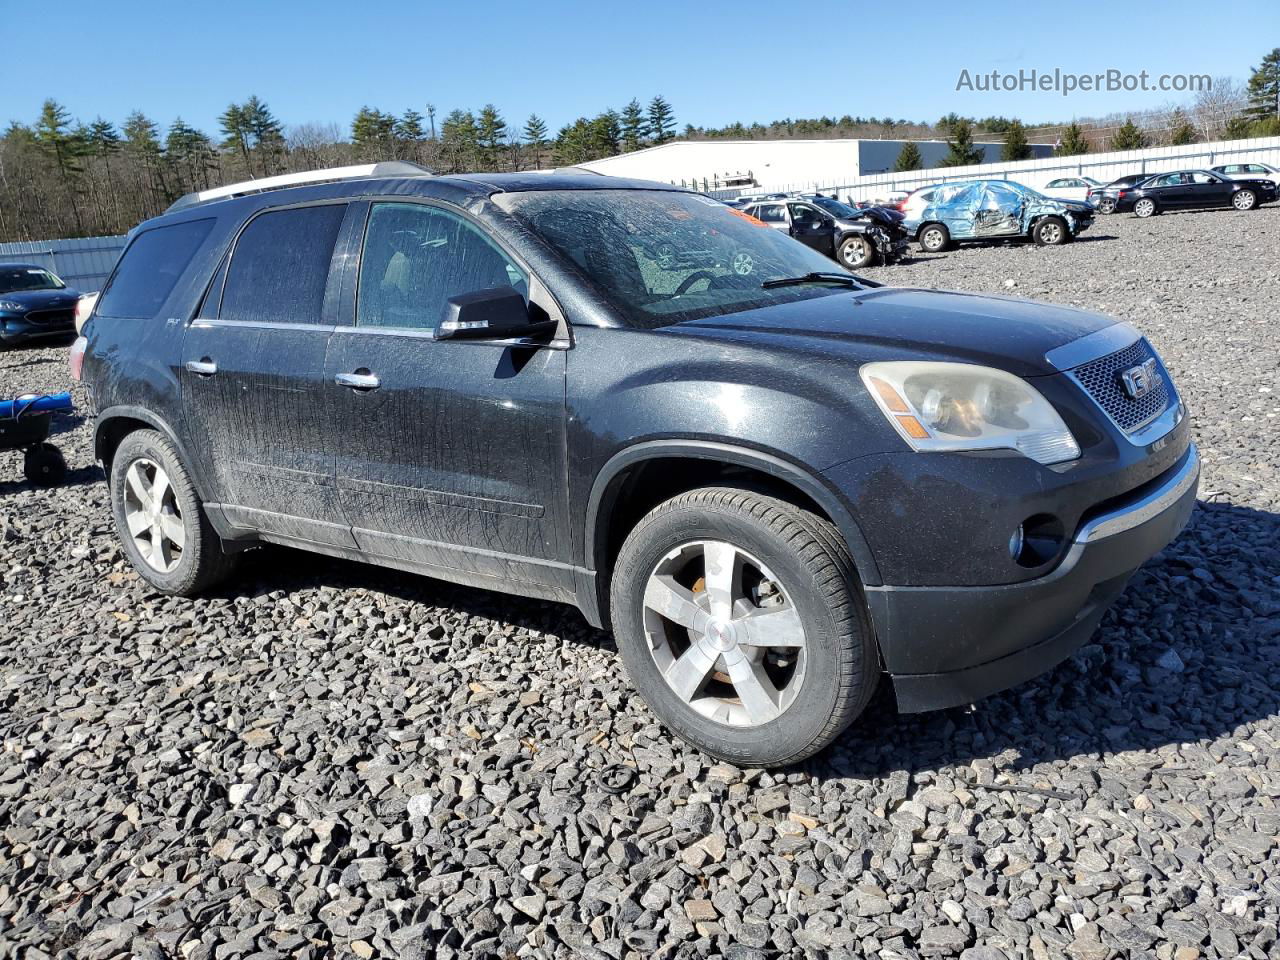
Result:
[[14, 279], [836, 208], [662, 257]]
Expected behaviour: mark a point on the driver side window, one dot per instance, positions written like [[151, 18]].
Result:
[[416, 257], [804, 214]]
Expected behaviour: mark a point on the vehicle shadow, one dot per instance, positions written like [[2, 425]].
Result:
[[1208, 597], [76, 477]]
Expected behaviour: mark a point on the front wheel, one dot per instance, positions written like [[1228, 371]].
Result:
[[1107, 206], [740, 623], [1145, 207], [856, 252], [160, 519], [1051, 232], [1244, 200]]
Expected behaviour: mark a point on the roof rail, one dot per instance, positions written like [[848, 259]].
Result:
[[387, 168], [575, 168]]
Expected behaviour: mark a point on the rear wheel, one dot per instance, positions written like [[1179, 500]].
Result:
[[856, 252], [160, 519], [1146, 207], [1051, 232], [1244, 199], [739, 621], [935, 238], [1107, 206]]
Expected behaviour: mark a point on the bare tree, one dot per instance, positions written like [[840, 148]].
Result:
[[1213, 108]]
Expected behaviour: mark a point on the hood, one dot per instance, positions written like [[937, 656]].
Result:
[[885, 215], [903, 323], [43, 299]]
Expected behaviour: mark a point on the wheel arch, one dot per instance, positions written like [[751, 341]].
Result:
[[615, 504], [115, 423]]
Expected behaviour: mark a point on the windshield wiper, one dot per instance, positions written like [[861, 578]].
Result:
[[847, 279]]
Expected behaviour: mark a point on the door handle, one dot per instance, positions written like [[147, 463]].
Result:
[[203, 368], [360, 380]]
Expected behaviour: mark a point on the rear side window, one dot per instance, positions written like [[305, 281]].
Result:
[[150, 269], [280, 266]]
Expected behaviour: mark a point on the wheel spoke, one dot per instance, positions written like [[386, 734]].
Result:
[[173, 530], [161, 549], [721, 573], [754, 689], [138, 484], [772, 627], [688, 674], [137, 522], [160, 487], [666, 597]]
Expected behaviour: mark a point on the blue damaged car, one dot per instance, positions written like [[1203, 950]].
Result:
[[943, 214]]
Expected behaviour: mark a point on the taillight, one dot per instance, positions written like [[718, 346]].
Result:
[[1120, 195], [77, 358]]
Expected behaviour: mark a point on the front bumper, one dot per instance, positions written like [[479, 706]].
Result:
[[19, 329], [976, 641]]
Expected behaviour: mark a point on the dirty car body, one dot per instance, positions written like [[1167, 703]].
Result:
[[492, 380], [975, 210]]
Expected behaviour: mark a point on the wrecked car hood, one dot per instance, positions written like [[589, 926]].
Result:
[[1010, 333]]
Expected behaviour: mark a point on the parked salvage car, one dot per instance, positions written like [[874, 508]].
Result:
[[773, 487], [1071, 188], [971, 210], [1249, 171], [853, 238], [1104, 198], [34, 303], [1192, 190]]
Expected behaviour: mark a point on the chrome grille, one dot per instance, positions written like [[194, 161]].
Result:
[[1101, 380]]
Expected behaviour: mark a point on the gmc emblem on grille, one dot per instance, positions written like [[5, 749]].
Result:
[[1140, 380]]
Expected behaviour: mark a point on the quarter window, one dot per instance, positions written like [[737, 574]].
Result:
[[280, 266], [416, 257], [771, 213], [150, 268]]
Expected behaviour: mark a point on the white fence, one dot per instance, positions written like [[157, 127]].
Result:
[[1036, 173]]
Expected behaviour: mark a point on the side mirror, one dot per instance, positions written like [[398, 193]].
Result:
[[499, 313]]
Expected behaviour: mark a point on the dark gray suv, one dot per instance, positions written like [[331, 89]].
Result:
[[777, 482]]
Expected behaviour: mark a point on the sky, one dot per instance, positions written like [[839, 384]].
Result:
[[716, 62]]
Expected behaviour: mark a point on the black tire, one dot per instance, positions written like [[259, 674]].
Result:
[[1107, 206], [856, 252], [1244, 200], [1050, 232], [202, 562], [1145, 207], [44, 466], [810, 560], [934, 238]]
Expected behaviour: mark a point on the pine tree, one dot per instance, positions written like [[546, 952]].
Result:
[[1128, 137], [1264, 88], [142, 142], [535, 135], [409, 127], [460, 140], [1015, 142], [492, 136], [909, 158], [374, 133], [190, 155], [662, 120], [1182, 131], [574, 143], [267, 133], [54, 135], [961, 151], [104, 142], [235, 131], [607, 134], [1073, 142], [634, 126]]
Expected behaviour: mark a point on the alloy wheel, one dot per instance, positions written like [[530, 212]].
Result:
[[1244, 200], [1051, 233], [933, 240], [1144, 208], [855, 251], [724, 633], [152, 514]]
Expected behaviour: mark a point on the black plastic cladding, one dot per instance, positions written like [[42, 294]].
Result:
[[1101, 378], [512, 448]]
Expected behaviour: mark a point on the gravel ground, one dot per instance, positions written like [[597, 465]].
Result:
[[325, 758]]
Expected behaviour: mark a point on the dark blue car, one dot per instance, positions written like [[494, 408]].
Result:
[[34, 303]]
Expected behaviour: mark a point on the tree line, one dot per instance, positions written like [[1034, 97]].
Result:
[[60, 177]]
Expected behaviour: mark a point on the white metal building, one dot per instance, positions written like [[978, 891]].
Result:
[[719, 164]]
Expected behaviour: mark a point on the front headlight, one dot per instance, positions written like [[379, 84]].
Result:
[[10, 306], [961, 406]]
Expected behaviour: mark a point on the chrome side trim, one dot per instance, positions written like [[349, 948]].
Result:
[[1100, 343], [1146, 507]]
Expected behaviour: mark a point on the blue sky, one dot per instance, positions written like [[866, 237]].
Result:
[[716, 62]]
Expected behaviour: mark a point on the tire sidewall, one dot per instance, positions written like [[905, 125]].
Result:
[[1043, 225], [826, 651], [150, 445]]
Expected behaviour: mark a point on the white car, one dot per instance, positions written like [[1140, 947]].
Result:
[[1249, 171], [1070, 188]]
